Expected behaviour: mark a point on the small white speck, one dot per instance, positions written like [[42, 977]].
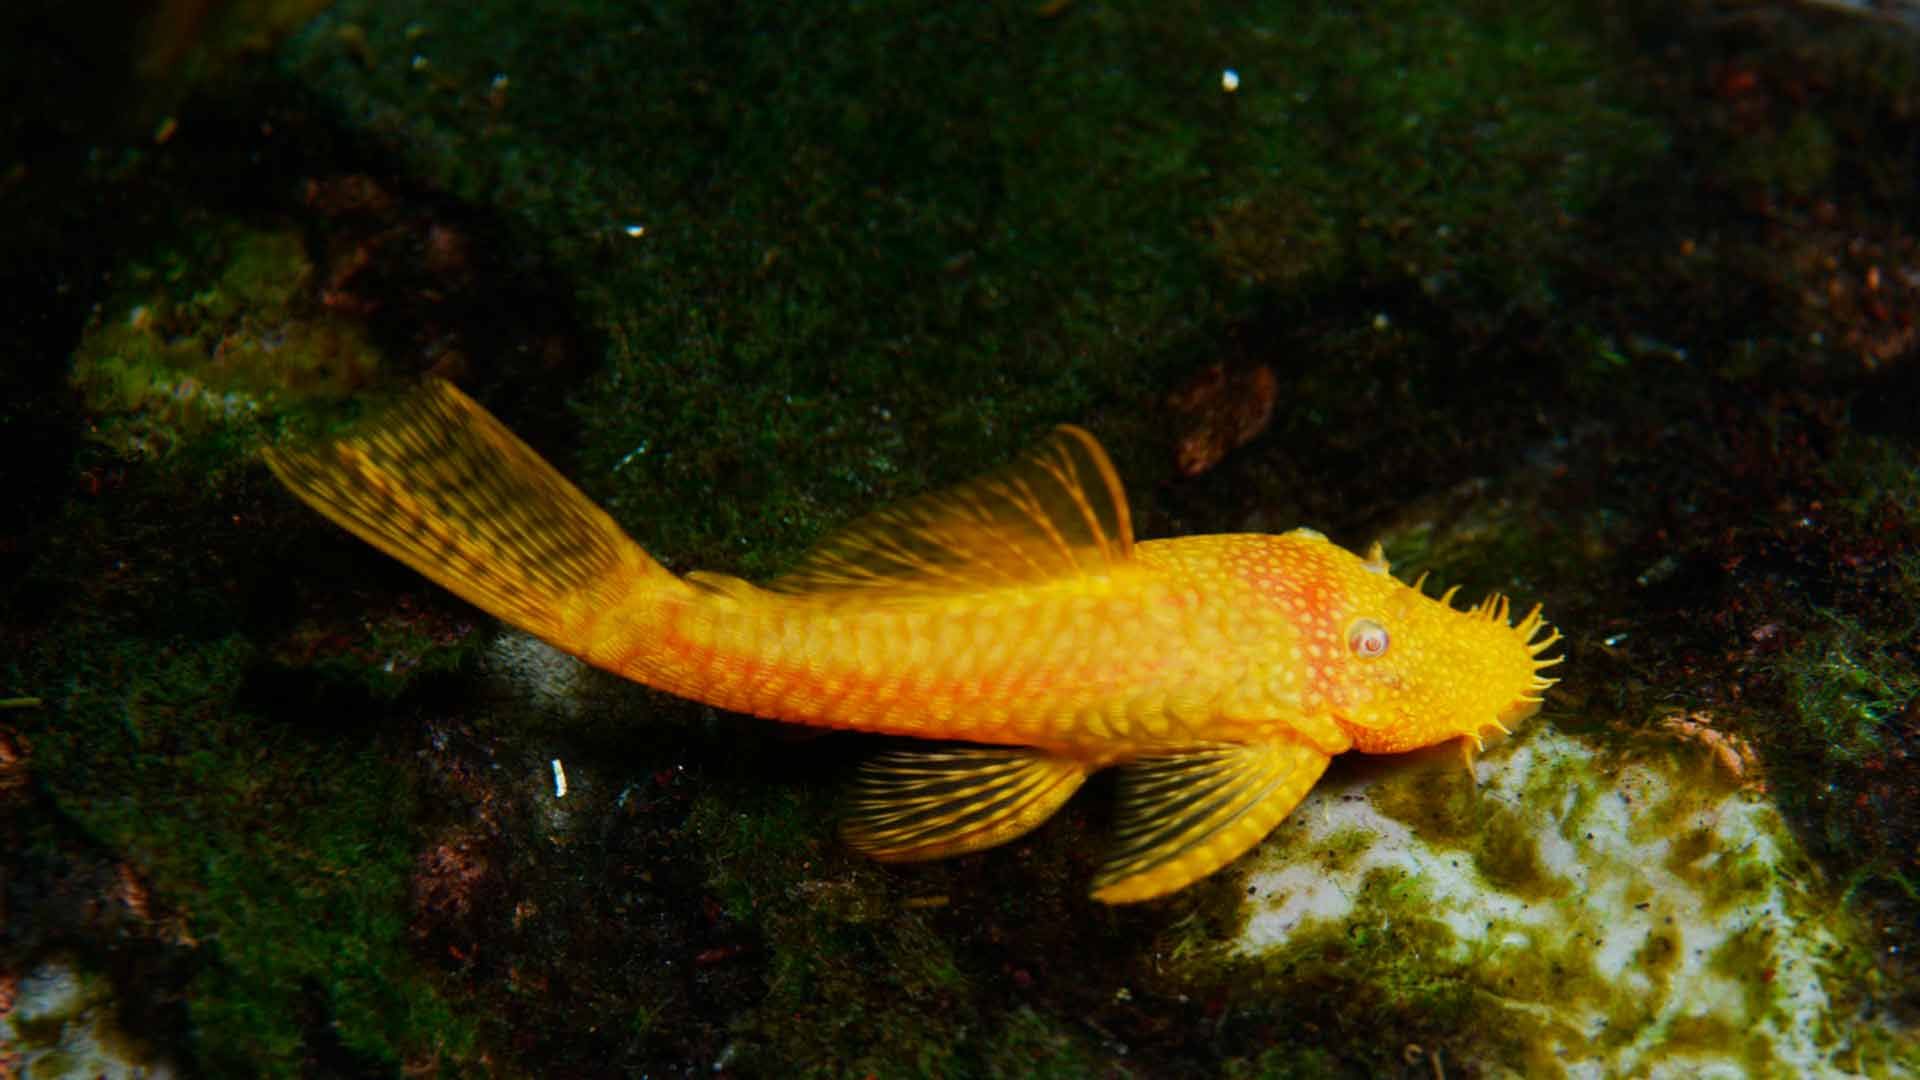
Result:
[[638, 451], [559, 780], [1229, 80], [1381, 322], [636, 231], [420, 62]]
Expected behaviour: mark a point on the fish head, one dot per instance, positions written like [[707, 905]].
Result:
[[1414, 670]]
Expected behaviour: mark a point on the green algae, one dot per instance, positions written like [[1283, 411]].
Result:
[[1339, 851], [815, 302], [770, 308], [1438, 803], [277, 849], [751, 833], [1793, 163], [1532, 962], [769, 335], [1443, 807], [1292, 1062], [1507, 854], [1852, 688], [389, 655], [1388, 976], [207, 337], [844, 965], [1026, 1043], [1686, 851], [1748, 957], [890, 989], [1710, 1038], [1725, 877], [1848, 685], [1658, 956]]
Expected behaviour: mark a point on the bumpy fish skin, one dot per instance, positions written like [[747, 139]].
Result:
[[1015, 612], [1207, 638]]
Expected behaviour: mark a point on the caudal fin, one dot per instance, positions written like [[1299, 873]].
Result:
[[441, 485]]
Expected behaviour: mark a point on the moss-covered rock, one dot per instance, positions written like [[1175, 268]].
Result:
[[210, 338], [1577, 911], [1607, 307], [274, 857]]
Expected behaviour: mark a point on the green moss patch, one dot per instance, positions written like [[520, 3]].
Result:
[[277, 848], [206, 336]]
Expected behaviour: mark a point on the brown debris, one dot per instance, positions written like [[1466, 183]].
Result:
[[10, 1061], [132, 893], [1862, 291], [446, 879], [1730, 752], [1220, 410], [14, 752]]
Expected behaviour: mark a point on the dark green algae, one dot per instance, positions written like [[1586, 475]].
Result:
[[854, 278]]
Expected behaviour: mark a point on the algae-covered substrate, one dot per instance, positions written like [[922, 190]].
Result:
[[1595, 914], [1606, 307]]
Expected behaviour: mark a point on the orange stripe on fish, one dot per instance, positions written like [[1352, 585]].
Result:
[[1015, 614]]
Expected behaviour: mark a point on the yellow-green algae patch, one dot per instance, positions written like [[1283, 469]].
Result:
[[1605, 916], [208, 336]]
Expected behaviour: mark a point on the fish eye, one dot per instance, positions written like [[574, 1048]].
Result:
[[1367, 639]]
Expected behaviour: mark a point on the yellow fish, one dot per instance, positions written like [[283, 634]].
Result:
[[1014, 614]]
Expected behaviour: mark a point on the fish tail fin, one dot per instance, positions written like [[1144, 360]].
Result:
[[438, 483]]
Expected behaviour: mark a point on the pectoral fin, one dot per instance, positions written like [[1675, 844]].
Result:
[[1186, 815], [929, 804]]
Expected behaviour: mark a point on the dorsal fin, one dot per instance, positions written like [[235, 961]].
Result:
[[1056, 511]]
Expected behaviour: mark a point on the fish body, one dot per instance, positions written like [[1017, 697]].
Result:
[[1014, 614]]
